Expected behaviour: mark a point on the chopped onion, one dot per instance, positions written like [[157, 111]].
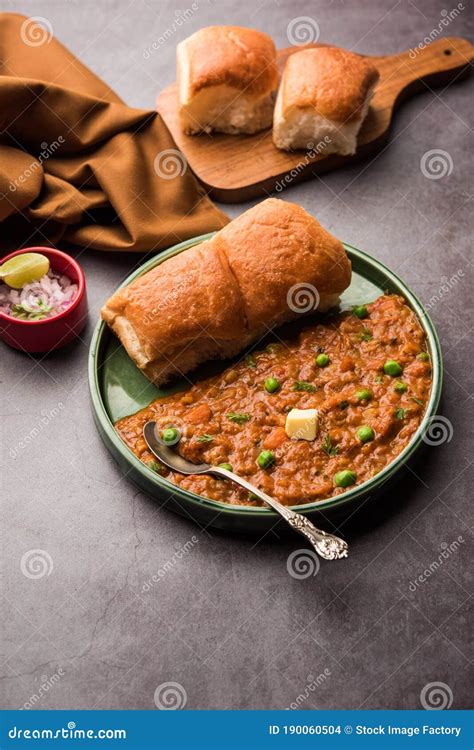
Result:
[[45, 298]]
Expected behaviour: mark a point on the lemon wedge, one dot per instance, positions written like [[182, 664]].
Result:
[[23, 269]]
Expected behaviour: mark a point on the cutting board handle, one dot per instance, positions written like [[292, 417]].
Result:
[[437, 63]]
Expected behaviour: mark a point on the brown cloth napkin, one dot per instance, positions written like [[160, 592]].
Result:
[[77, 164]]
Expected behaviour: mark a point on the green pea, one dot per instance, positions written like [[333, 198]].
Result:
[[322, 360], [170, 436], [272, 385], [266, 459], [365, 434], [345, 478], [423, 357], [360, 311], [400, 387], [364, 395], [226, 466], [253, 496], [391, 367]]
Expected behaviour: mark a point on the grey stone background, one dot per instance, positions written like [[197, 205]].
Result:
[[227, 622]]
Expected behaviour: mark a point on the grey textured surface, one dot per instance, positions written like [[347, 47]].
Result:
[[227, 622]]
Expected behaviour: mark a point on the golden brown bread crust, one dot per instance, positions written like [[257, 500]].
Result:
[[332, 81], [244, 59], [274, 246], [214, 299]]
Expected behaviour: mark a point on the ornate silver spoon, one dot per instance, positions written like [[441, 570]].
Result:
[[328, 546]]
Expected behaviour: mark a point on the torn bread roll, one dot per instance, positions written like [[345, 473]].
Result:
[[270, 265], [227, 79], [323, 100]]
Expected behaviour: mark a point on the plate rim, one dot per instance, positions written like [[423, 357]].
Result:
[[107, 429]]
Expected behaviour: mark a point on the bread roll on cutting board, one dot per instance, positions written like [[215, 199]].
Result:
[[270, 265], [227, 78], [324, 97]]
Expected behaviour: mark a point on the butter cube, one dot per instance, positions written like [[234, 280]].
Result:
[[302, 424]]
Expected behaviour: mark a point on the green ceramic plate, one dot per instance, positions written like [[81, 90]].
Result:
[[118, 388]]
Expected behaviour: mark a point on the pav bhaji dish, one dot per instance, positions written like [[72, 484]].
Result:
[[327, 405]]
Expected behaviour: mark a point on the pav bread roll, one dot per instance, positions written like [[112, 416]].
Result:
[[323, 99], [270, 265], [227, 79]]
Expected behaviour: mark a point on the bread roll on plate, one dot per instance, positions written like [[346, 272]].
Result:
[[272, 264], [323, 99], [227, 78]]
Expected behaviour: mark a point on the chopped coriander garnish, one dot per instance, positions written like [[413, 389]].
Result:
[[238, 418], [400, 413], [328, 447], [365, 335], [301, 385], [250, 360], [417, 400], [204, 438]]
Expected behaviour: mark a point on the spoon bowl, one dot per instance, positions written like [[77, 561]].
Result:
[[328, 546]]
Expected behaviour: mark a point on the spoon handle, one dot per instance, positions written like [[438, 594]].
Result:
[[328, 546]]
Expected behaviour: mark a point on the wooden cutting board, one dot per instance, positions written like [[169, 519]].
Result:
[[237, 168]]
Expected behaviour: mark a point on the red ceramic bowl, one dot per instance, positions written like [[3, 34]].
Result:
[[50, 333]]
